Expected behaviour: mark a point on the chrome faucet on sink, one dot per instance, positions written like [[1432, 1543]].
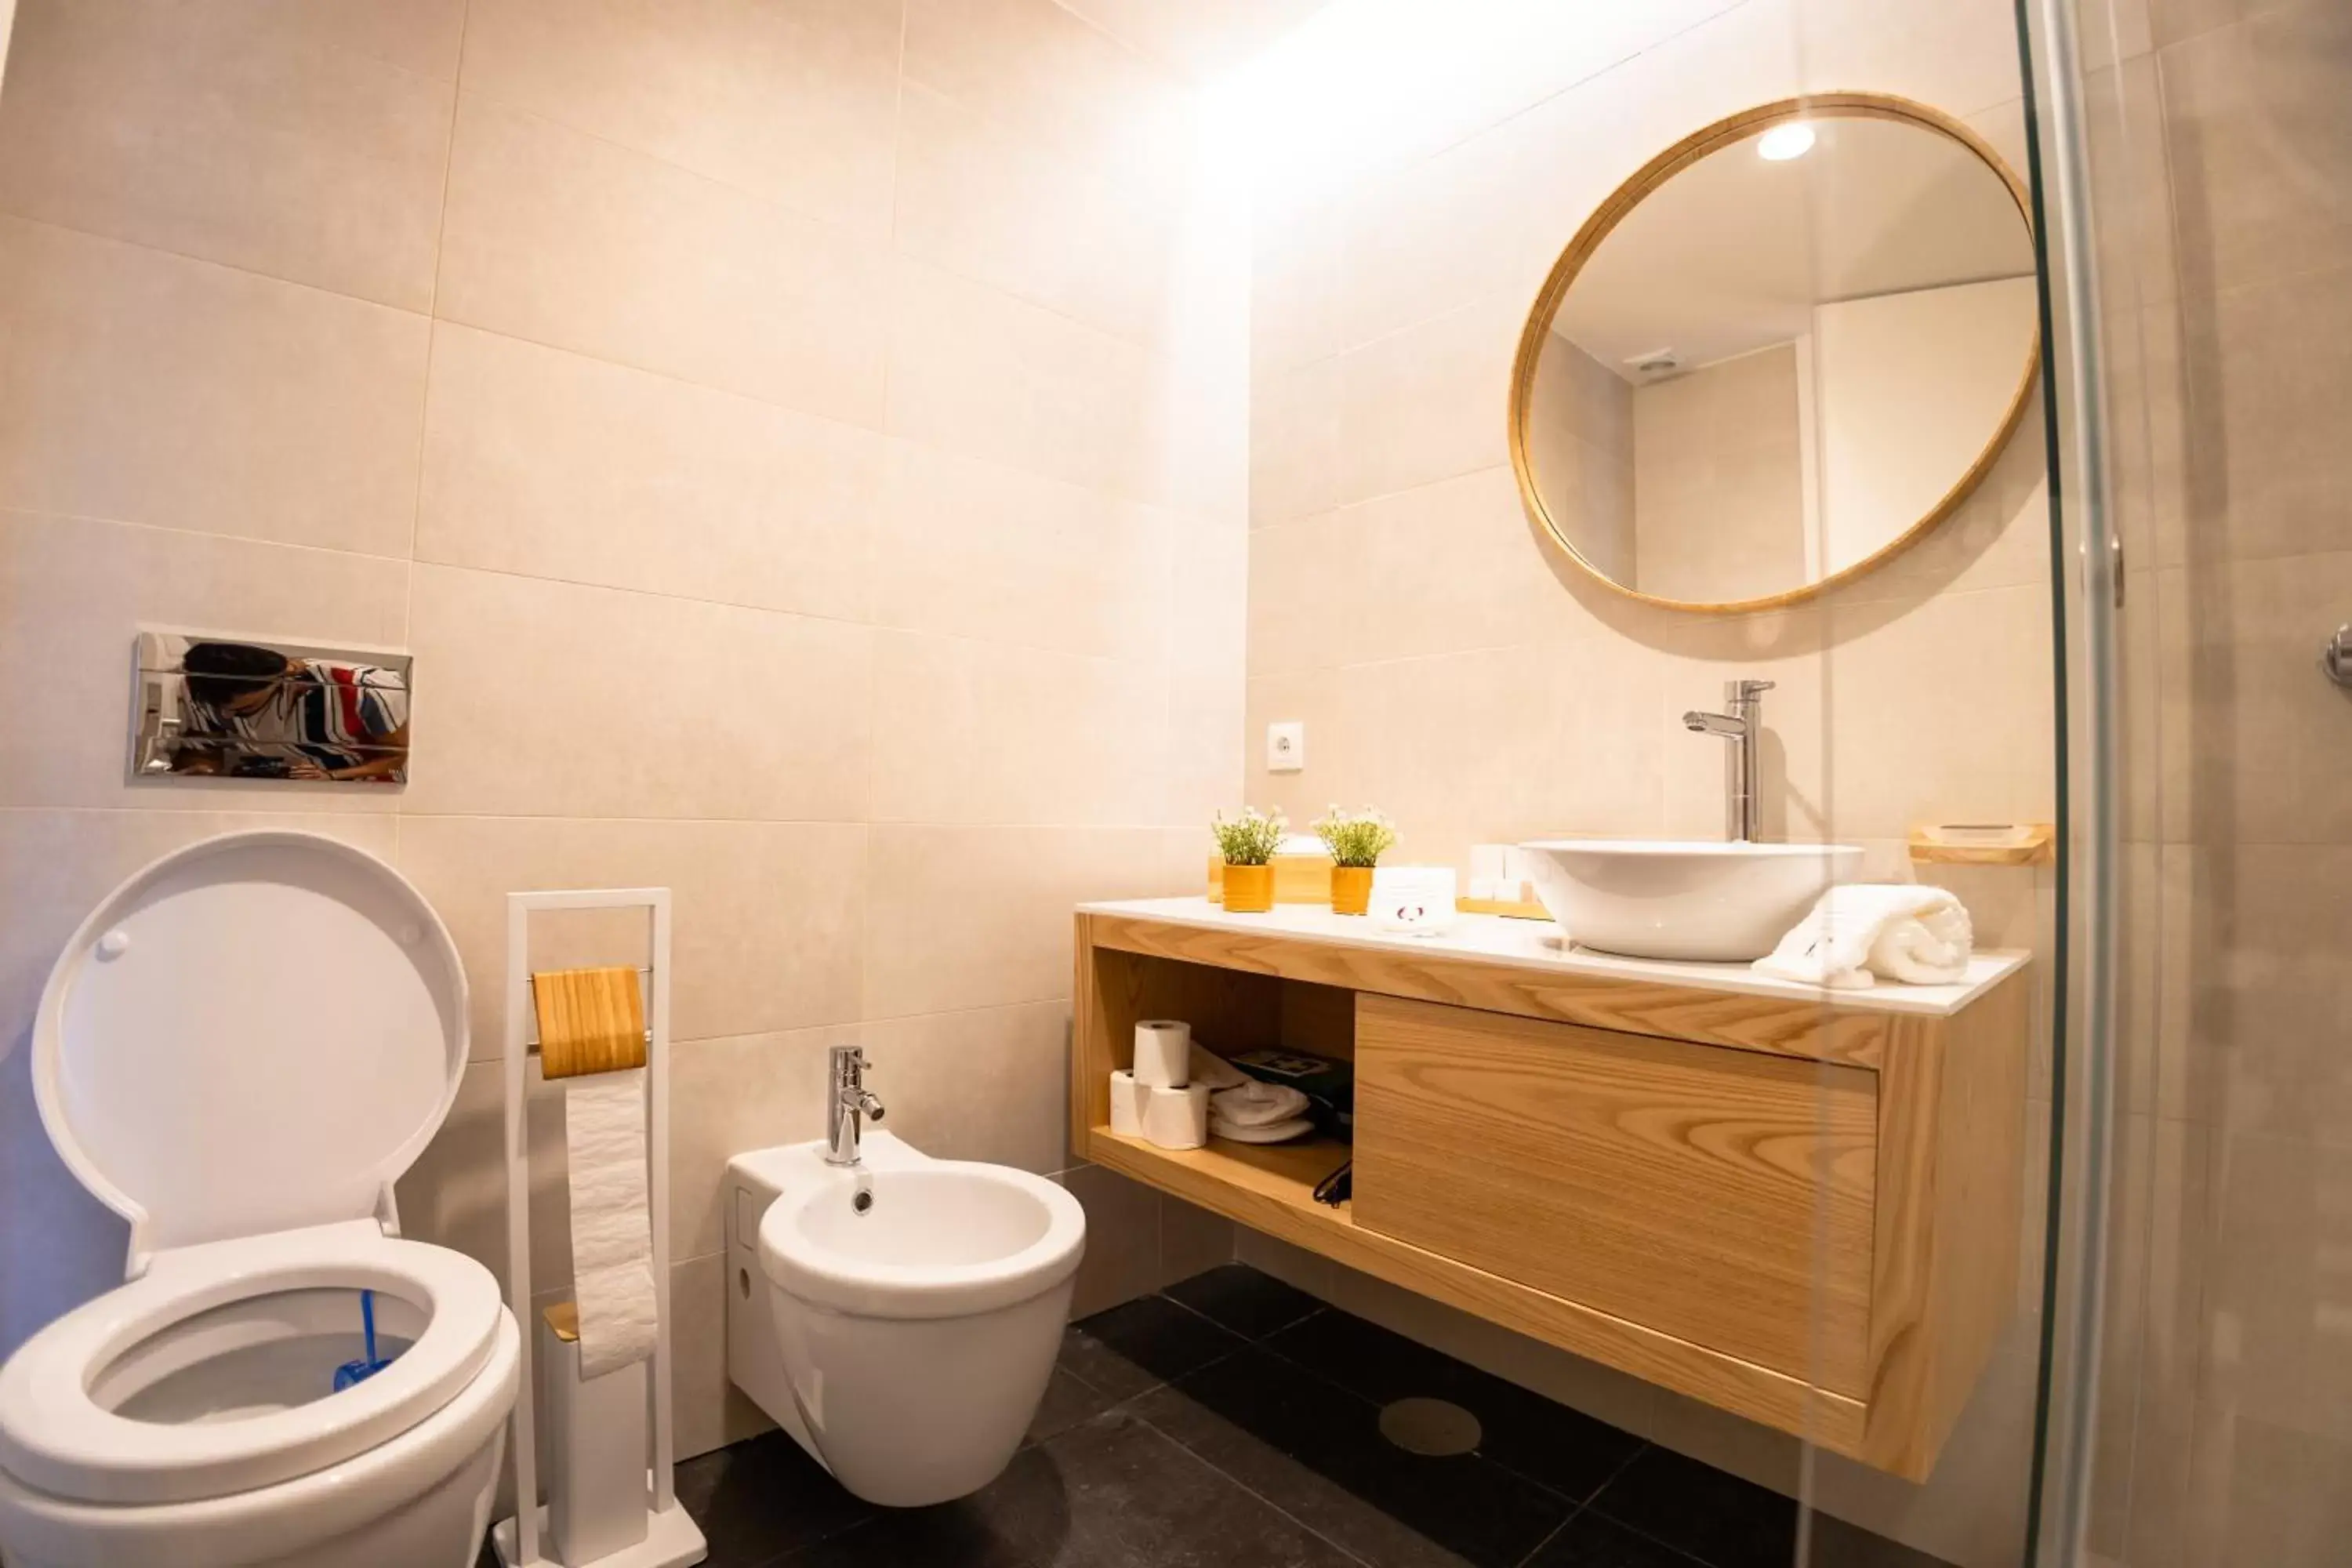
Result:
[[1744, 804]]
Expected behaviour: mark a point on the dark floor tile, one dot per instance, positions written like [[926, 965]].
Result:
[[1718, 1518], [1837, 1544], [1593, 1540], [951, 1535], [1252, 1304], [1068, 1402], [1142, 1344], [1547, 1442], [1115, 1493], [1315, 1452], [759, 1500]]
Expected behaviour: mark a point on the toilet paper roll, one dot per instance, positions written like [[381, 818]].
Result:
[[1177, 1117], [1163, 1053], [612, 1226], [1127, 1102]]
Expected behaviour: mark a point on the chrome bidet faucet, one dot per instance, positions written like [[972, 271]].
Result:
[[849, 1102], [1744, 804]]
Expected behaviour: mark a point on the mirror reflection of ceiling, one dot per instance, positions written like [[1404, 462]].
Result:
[[1775, 369], [1732, 253]]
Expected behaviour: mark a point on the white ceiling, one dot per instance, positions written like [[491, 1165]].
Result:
[[1733, 253], [1199, 37]]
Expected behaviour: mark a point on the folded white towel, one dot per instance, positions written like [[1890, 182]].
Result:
[[1919, 935], [1212, 1070], [1254, 1104], [1269, 1132]]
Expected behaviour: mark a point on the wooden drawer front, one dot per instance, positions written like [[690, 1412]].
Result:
[[1720, 1197]]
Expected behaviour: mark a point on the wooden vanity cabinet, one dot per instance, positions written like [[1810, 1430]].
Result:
[[1806, 1214]]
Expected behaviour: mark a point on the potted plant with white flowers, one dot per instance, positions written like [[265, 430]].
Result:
[[1356, 840], [1248, 843]]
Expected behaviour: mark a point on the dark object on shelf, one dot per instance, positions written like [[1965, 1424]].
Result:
[[1337, 1187]]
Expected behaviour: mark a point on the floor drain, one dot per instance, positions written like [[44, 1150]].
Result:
[[1430, 1426]]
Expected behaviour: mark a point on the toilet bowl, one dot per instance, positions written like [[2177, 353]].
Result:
[[239, 1052], [905, 1313]]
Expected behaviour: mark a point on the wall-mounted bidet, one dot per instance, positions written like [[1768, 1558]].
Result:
[[898, 1315]]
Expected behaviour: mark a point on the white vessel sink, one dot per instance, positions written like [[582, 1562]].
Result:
[[1703, 902]]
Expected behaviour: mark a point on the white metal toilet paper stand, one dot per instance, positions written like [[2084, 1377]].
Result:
[[671, 1538]]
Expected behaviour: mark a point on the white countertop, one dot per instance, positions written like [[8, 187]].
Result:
[[1537, 945]]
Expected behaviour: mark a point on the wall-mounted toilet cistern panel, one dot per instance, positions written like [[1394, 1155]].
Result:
[[239, 1051], [898, 1317]]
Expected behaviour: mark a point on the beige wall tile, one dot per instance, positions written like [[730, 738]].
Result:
[[1987, 760], [1206, 675], [2267, 1496], [990, 1084], [1192, 1240], [967, 548], [981, 917], [1122, 1258], [1335, 767], [1409, 727], [417, 35], [233, 132], [151, 388], [708, 1410], [565, 239], [1298, 457], [1427, 403], [553, 465], [72, 595], [981, 199], [2251, 1035], [2278, 1307], [2259, 138], [455, 1195], [766, 917], [556, 700], [731, 1096], [2170, 21], [2267, 371], [788, 101], [979, 373], [1035, 65], [2260, 731], [976, 732]]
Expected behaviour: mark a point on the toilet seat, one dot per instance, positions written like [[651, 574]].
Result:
[[60, 1434], [240, 1050]]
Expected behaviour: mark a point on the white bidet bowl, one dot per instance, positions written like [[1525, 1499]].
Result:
[[918, 1307]]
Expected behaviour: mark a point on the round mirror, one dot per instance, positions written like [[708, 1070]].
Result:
[[1783, 351]]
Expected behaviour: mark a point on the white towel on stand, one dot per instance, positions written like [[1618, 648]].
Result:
[[1917, 935]]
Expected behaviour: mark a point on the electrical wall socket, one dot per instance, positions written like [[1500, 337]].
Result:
[[1285, 747]]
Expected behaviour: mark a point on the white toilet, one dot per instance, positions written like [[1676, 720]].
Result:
[[900, 1318], [239, 1052]]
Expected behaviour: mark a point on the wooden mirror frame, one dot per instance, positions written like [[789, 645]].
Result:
[[1629, 195]]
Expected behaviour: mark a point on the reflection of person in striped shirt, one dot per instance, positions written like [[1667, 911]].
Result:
[[253, 712]]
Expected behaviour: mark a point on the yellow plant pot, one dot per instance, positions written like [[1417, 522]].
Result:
[[1352, 889], [1249, 890]]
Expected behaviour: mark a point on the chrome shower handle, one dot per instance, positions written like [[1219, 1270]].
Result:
[[2335, 658]]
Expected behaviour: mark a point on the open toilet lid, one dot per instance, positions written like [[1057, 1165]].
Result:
[[255, 1033]]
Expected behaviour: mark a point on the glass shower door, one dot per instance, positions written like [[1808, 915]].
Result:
[[2197, 160]]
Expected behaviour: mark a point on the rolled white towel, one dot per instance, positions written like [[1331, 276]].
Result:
[[1254, 1104], [1896, 931], [1261, 1132], [1212, 1070]]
